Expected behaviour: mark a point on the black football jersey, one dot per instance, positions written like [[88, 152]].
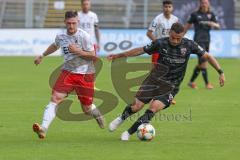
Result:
[[202, 29], [172, 62]]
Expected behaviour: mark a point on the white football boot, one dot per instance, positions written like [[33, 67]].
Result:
[[115, 124], [125, 136]]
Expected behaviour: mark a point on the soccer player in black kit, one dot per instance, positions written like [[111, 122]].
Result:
[[203, 20], [163, 82]]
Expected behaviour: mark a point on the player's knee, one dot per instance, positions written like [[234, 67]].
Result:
[[203, 65], [137, 106], [56, 99], [199, 66], [156, 106]]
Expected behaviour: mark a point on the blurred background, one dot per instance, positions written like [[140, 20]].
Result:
[[119, 21], [112, 13]]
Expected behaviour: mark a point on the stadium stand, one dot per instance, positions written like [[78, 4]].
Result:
[[12, 13], [125, 14], [119, 12], [55, 16], [237, 13], [112, 13]]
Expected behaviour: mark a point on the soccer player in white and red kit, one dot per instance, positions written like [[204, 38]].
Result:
[[161, 25], [88, 21], [77, 72]]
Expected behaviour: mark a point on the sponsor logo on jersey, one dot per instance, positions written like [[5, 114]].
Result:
[[164, 50], [154, 24], [149, 45], [209, 16], [183, 51]]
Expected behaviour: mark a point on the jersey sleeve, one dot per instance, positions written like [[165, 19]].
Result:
[[176, 19], [87, 43], [196, 49], [57, 41], [191, 19], [151, 48], [153, 25]]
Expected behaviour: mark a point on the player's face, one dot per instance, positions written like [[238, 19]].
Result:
[[204, 4], [72, 25], [86, 5], [175, 38], [168, 9]]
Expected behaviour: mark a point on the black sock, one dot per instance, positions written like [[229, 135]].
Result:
[[127, 112], [146, 118], [205, 75], [196, 72]]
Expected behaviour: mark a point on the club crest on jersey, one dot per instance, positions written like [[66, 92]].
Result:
[[209, 16], [150, 45], [183, 51]]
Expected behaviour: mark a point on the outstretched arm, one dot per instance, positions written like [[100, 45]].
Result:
[[131, 53], [51, 49], [214, 63]]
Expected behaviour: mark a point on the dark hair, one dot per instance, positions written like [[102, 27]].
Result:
[[177, 27], [167, 2], [71, 14]]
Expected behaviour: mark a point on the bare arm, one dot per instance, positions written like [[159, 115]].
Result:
[[97, 35], [51, 49], [187, 27], [90, 55], [150, 35], [214, 63], [131, 53], [214, 25]]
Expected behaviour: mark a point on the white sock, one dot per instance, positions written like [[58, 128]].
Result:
[[95, 112], [93, 107], [49, 115]]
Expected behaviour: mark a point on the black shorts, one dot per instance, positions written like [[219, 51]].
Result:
[[151, 89], [205, 46]]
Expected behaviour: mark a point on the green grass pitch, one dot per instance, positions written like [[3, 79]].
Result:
[[208, 130]]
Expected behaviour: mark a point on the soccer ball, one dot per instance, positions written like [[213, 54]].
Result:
[[146, 132]]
